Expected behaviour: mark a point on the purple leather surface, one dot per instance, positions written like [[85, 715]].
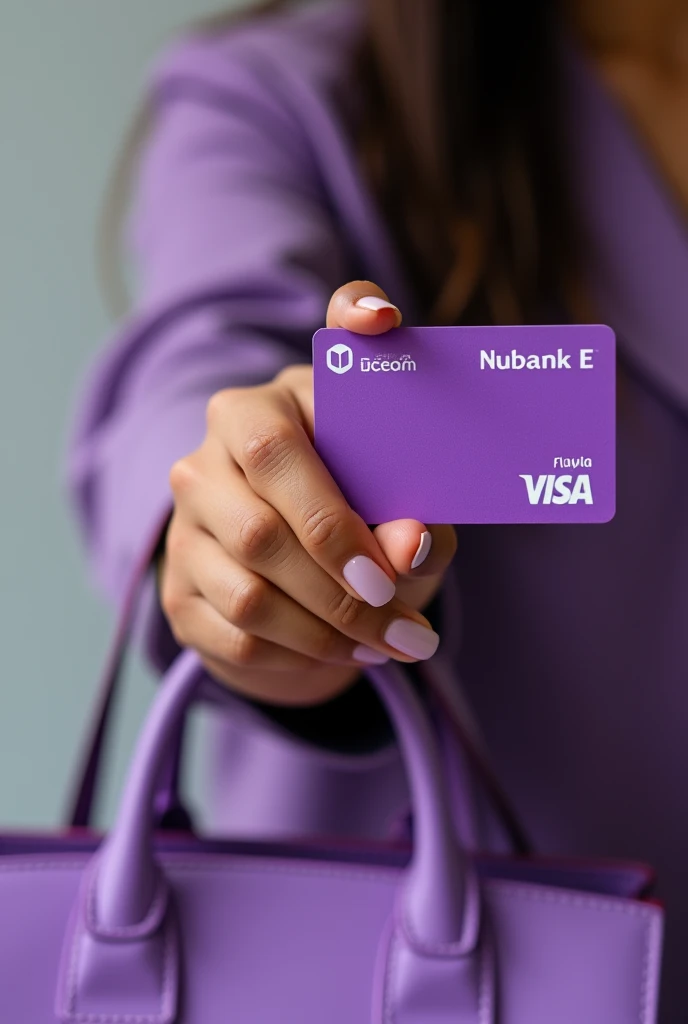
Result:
[[276, 941], [137, 934]]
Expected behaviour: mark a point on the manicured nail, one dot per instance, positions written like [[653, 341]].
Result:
[[412, 638], [368, 656], [371, 583], [423, 549], [374, 303]]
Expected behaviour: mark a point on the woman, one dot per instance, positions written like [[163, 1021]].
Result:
[[480, 162]]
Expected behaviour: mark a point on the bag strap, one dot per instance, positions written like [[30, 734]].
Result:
[[455, 716], [442, 689], [452, 711], [80, 806]]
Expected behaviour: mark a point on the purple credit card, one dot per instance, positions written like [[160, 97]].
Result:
[[470, 424]]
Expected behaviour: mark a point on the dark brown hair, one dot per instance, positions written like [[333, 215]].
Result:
[[460, 142]]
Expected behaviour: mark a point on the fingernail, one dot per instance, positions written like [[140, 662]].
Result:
[[374, 303], [412, 638], [368, 656], [423, 549], [371, 583]]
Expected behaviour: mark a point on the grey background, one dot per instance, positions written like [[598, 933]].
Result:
[[71, 75]]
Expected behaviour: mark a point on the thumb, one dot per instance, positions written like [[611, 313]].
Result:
[[416, 550]]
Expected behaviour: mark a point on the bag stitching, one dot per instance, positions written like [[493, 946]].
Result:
[[484, 989], [651, 956], [518, 890], [128, 1018], [237, 867], [611, 904], [644, 979], [452, 949], [151, 921], [392, 960], [40, 865]]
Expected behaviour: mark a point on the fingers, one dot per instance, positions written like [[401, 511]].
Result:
[[415, 549], [362, 307], [250, 664], [202, 627], [279, 463], [254, 536], [251, 604]]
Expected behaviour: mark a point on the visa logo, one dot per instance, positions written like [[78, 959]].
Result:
[[557, 490]]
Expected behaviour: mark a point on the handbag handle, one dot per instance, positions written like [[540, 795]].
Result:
[[89, 770], [440, 896], [124, 917]]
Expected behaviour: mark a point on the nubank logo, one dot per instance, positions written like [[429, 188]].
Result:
[[558, 490], [340, 358]]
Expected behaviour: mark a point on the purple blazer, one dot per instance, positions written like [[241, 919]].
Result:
[[571, 641]]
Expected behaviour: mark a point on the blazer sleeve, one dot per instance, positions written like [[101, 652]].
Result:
[[235, 254]]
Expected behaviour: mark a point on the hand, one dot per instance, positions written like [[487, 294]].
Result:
[[268, 573]]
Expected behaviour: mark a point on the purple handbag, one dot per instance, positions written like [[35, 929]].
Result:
[[156, 928]]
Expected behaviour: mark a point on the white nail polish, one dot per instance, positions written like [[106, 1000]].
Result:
[[423, 549], [374, 303]]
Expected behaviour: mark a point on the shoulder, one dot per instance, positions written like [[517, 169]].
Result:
[[286, 53]]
